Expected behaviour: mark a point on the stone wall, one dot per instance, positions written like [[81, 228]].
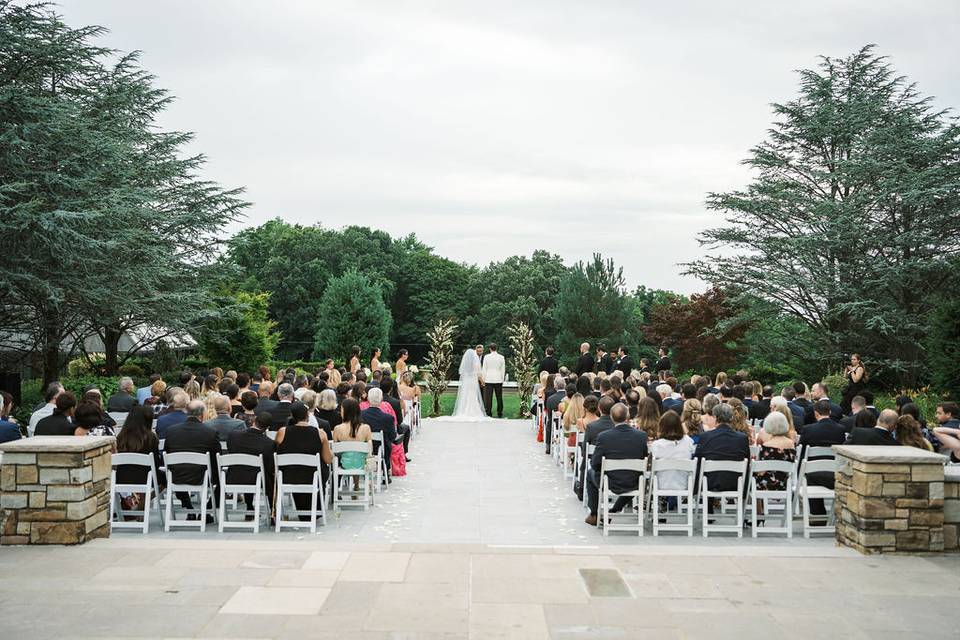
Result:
[[951, 508], [889, 499], [55, 490]]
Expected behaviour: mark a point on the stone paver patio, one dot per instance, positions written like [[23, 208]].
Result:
[[478, 542]]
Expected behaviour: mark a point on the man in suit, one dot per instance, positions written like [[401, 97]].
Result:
[[798, 412], [624, 362], [947, 431], [549, 363], [552, 405], [122, 401], [380, 421], [621, 442], [720, 442], [585, 362], [604, 361], [667, 401], [822, 433], [761, 408], [176, 415], [223, 424], [882, 434], [387, 386], [193, 436], [857, 404], [819, 392], [493, 370], [253, 441], [281, 410], [663, 364]]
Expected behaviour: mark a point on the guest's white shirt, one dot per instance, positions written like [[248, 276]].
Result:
[[38, 415], [681, 449], [494, 368], [298, 394]]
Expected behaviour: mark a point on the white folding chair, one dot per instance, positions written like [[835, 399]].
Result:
[[709, 466], [569, 455], [204, 489], [767, 496], [119, 417], [608, 498], [149, 489], [809, 492], [577, 458], [684, 497], [806, 452], [346, 497], [225, 461], [377, 436], [586, 465], [271, 434], [313, 488], [754, 451]]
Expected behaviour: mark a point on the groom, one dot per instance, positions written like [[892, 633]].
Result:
[[492, 372]]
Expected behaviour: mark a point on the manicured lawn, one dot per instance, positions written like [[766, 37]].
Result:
[[511, 403]]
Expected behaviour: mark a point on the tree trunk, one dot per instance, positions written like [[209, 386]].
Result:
[[51, 348], [111, 347]]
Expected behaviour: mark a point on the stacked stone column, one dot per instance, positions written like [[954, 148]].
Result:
[[889, 499], [55, 490]]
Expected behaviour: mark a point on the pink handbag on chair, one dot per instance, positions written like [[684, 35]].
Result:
[[398, 461]]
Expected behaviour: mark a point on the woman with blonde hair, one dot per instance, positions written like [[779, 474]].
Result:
[[210, 409], [720, 380], [740, 418], [192, 389], [572, 414], [690, 418], [217, 371]]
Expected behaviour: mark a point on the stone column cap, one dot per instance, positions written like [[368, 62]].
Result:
[[57, 444], [888, 455]]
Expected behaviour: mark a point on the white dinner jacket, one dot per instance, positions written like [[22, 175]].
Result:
[[494, 368]]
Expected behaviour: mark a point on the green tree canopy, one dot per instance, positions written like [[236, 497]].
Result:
[[352, 312], [243, 336], [592, 307], [851, 220]]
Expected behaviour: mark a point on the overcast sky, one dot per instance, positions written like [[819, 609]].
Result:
[[496, 128]]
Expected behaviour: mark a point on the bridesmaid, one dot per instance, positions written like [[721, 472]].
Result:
[[355, 360]]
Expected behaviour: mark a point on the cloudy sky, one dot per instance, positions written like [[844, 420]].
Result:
[[496, 128]]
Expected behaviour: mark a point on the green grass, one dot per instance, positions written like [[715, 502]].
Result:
[[511, 404]]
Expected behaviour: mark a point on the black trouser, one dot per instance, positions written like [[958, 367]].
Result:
[[547, 429], [403, 430], [488, 390]]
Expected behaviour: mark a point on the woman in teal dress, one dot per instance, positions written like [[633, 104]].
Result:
[[352, 430]]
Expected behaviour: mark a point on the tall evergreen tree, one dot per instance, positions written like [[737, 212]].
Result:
[[851, 220], [352, 312], [592, 306]]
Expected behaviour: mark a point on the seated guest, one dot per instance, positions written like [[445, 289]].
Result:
[[720, 442], [300, 437], [176, 415], [947, 431], [232, 392], [882, 434], [667, 401], [60, 422], [672, 444], [760, 408], [691, 419], [223, 424], [89, 417], [777, 445], [254, 441], [551, 405], [909, 434], [819, 391], [192, 436], [155, 395], [857, 404], [823, 432], [137, 436], [352, 429], [249, 402], [621, 442], [53, 390], [390, 398], [648, 417], [123, 400], [9, 429], [143, 393], [572, 416], [379, 421], [740, 422], [281, 409], [326, 411]]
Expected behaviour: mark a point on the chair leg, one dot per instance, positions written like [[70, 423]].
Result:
[[753, 514], [169, 509], [222, 509], [655, 509], [203, 508], [279, 507]]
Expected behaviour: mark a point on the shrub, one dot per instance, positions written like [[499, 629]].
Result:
[[943, 347], [352, 312], [131, 369]]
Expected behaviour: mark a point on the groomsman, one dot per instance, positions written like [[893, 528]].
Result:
[[549, 363], [604, 361], [585, 361], [624, 363]]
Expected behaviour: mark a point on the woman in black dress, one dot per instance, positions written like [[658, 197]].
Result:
[[300, 437], [856, 375], [137, 436]]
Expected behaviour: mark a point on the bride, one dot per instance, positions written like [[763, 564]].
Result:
[[469, 403]]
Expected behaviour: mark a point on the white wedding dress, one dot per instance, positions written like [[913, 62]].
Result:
[[469, 406]]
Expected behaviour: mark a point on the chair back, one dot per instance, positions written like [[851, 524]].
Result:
[[240, 460], [186, 457], [819, 466], [132, 459], [667, 464], [766, 466], [633, 464], [737, 466], [354, 446], [118, 416], [298, 459], [818, 452]]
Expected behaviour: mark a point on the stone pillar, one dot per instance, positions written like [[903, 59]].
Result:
[[55, 489], [889, 499], [951, 508]]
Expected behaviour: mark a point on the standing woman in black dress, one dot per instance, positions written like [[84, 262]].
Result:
[[300, 437], [856, 375]]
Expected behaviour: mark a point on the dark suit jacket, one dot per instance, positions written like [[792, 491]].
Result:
[[280, 414], [605, 364], [225, 425], [585, 364], [595, 428], [760, 409], [121, 401], [253, 442], [192, 436], [723, 443], [380, 421], [550, 365], [663, 364], [847, 422], [809, 417], [823, 433], [622, 442], [625, 364], [167, 420], [675, 405], [872, 436]]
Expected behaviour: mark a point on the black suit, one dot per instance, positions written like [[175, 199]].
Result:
[[848, 422], [675, 405], [590, 434], [383, 423], [196, 437], [836, 413], [622, 442], [280, 414], [872, 436], [121, 402], [663, 364], [625, 365], [550, 365], [585, 364], [253, 442], [760, 409], [605, 364], [723, 443]]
